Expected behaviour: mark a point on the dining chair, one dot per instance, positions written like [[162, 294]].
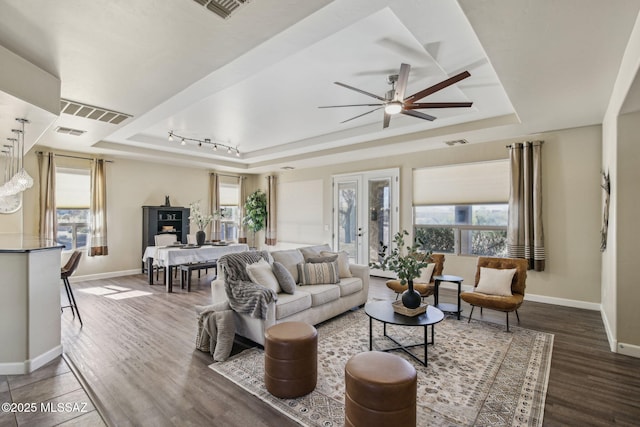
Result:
[[165, 239], [65, 272]]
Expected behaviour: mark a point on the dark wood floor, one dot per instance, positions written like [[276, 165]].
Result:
[[138, 356]]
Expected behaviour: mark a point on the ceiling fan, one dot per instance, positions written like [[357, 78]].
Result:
[[394, 101]]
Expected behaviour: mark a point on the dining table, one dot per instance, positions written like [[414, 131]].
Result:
[[171, 257]]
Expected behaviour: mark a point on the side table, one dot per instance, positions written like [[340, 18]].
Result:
[[445, 307]]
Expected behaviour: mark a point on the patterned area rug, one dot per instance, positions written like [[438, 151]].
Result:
[[477, 374]]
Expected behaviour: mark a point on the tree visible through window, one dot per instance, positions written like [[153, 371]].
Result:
[[73, 194]]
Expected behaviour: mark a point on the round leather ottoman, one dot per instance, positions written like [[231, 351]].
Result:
[[290, 359], [380, 390]]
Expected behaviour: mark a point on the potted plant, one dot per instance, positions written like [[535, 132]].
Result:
[[255, 212], [406, 262], [200, 220]]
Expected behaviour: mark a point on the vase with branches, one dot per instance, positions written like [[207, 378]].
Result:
[[200, 220], [406, 262], [255, 209]]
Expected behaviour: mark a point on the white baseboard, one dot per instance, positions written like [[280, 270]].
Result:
[[43, 359], [107, 275], [563, 301], [613, 343], [629, 349], [28, 366], [537, 298], [12, 368]]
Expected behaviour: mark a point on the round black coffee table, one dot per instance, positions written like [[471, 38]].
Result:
[[383, 312]]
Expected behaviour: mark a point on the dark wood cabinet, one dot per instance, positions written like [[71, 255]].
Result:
[[164, 220]]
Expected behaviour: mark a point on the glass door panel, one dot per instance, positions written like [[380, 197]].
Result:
[[379, 229], [347, 218]]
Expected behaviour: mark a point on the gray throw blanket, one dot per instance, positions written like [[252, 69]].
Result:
[[245, 296], [216, 330]]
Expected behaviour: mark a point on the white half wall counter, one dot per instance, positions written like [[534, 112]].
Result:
[[29, 303]]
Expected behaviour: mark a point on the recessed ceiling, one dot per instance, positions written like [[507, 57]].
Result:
[[256, 79]]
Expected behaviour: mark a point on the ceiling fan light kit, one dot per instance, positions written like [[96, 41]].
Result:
[[394, 101], [206, 141]]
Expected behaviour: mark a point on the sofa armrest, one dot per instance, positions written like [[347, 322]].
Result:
[[218, 294], [361, 271]]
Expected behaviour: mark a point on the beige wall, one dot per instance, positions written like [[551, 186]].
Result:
[[628, 179], [571, 165], [571, 204], [130, 185], [619, 150]]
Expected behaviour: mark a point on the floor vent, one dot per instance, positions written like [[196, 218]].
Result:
[[457, 141], [90, 112], [70, 131], [222, 8]]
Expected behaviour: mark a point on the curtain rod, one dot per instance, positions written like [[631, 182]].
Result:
[[74, 157], [230, 176]]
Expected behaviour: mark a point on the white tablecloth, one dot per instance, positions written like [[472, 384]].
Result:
[[167, 256]]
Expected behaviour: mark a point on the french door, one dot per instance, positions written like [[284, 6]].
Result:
[[365, 214]]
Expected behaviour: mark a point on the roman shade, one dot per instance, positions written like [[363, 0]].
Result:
[[485, 182]]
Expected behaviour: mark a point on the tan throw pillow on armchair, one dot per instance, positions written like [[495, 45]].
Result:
[[426, 273], [494, 281]]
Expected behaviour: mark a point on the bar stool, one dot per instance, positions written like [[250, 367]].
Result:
[[65, 272]]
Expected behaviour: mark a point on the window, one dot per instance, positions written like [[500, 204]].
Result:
[[229, 210], [73, 190], [461, 209], [479, 229]]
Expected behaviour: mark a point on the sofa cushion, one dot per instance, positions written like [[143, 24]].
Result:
[[322, 294], [285, 279], [316, 274], [290, 259], [313, 251], [289, 304], [350, 285], [260, 272], [343, 262]]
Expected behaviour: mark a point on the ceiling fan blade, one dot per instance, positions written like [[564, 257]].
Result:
[[443, 84], [364, 114], [418, 115], [361, 91], [437, 105], [387, 119], [401, 85], [351, 105]]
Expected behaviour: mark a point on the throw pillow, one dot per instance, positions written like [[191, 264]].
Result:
[[494, 281], [285, 279], [313, 251], [261, 273], [426, 273], [225, 334], [318, 274], [289, 258], [318, 259], [343, 262]]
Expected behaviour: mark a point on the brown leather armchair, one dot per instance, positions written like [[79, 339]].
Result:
[[496, 302], [424, 289]]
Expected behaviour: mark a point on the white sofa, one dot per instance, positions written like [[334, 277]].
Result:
[[309, 303]]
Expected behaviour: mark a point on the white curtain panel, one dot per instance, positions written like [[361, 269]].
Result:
[[47, 216]]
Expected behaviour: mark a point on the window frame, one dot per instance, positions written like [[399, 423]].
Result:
[[75, 225], [458, 229]]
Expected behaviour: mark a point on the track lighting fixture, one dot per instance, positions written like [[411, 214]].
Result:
[[205, 141]]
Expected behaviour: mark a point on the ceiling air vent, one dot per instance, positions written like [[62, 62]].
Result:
[[90, 112], [222, 8], [70, 131], [457, 141]]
